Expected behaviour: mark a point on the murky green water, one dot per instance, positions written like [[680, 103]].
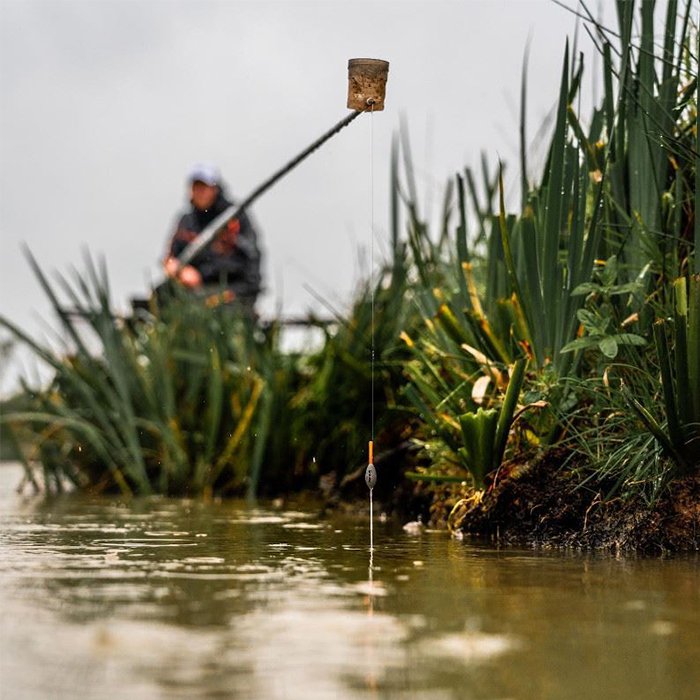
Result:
[[172, 599]]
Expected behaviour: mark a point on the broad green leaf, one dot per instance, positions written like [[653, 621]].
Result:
[[608, 346], [586, 288], [580, 344], [628, 339]]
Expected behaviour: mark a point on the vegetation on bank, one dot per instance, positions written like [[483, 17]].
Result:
[[594, 283], [567, 326]]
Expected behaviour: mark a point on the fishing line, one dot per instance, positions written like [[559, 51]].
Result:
[[372, 282], [371, 474], [366, 91]]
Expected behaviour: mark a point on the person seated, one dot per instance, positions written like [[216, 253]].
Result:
[[228, 269]]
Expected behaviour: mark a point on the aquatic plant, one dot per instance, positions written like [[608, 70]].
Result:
[[177, 401], [584, 267], [194, 399], [680, 380], [485, 432]]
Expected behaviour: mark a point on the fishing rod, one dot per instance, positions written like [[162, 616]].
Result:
[[210, 232], [367, 84]]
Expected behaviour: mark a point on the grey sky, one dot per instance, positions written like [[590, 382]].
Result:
[[105, 105]]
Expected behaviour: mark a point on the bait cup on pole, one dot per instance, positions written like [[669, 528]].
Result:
[[367, 83]]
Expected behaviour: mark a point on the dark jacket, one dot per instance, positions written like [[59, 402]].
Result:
[[232, 260]]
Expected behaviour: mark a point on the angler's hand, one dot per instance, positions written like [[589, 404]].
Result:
[[190, 277], [172, 266]]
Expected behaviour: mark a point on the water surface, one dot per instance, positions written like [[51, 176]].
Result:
[[159, 598]]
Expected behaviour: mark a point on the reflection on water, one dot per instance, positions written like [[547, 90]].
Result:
[[179, 599]]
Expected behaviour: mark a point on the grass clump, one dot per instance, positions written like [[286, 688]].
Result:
[[181, 401], [591, 281]]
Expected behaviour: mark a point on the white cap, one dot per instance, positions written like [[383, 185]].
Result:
[[206, 173]]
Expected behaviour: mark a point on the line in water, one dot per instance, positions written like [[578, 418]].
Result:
[[371, 526]]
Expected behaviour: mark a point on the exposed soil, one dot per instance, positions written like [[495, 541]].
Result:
[[539, 505]]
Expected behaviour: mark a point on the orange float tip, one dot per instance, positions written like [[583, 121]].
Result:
[[371, 452]]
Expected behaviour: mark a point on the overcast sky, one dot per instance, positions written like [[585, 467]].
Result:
[[105, 105]]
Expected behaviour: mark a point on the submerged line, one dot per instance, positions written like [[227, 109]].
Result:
[[371, 528]]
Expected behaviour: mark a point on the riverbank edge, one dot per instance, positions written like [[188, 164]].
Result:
[[541, 505], [538, 504]]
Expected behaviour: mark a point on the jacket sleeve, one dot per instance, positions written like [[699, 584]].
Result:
[[181, 238], [241, 264]]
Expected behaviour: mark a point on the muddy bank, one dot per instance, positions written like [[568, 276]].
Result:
[[536, 504], [539, 505]]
